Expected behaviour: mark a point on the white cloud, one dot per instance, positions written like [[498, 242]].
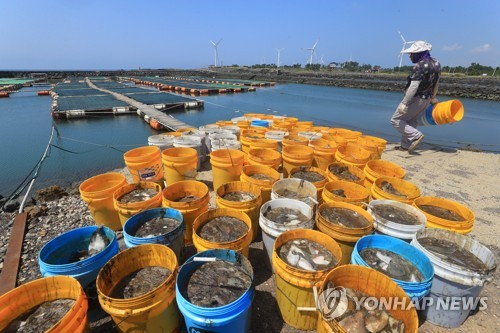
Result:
[[452, 47], [481, 49]]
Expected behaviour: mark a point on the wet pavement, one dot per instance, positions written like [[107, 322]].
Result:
[[395, 214], [42, 317], [156, 227], [343, 173], [307, 255], [391, 264], [223, 229], [344, 217], [284, 215], [140, 282], [454, 254], [138, 195], [217, 283]]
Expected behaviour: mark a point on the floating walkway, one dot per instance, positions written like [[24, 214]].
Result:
[[97, 96], [156, 119], [189, 86]]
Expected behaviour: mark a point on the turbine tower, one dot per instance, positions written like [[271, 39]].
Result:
[[404, 46], [312, 49], [216, 52], [279, 54]]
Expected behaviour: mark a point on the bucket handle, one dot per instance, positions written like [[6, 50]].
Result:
[[305, 308]]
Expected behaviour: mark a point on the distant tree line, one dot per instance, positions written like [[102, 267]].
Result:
[[353, 66]]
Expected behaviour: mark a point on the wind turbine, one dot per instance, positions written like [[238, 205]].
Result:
[[312, 49], [215, 49], [279, 54], [321, 61], [404, 46]]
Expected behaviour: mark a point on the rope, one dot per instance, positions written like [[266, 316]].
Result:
[[35, 171]]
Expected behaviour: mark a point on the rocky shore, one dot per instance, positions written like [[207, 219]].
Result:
[[464, 176], [487, 88]]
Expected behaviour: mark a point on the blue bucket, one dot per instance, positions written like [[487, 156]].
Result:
[[233, 317], [259, 123], [415, 290], [173, 239], [54, 256]]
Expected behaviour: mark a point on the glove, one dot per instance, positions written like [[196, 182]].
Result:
[[402, 108]]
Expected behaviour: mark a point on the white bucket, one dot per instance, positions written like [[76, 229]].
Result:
[[233, 129], [402, 231], [311, 135], [277, 136], [225, 144], [202, 136], [451, 280], [190, 141], [271, 230], [161, 141], [225, 136], [304, 189], [208, 128]]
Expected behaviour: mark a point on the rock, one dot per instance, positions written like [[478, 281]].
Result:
[[51, 193], [11, 205], [35, 211]]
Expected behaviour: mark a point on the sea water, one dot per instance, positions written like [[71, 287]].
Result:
[[97, 143]]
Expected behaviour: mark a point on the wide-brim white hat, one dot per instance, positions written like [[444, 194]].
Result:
[[418, 46]]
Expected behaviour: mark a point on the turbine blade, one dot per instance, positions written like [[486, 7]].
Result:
[[401, 35]]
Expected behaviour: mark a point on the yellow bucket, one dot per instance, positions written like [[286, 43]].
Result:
[[294, 140], [319, 184], [332, 137], [189, 210], [155, 311], [370, 146], [294, 286], [127, 210], [351, 168], [463, 227], [379, 168], [180, 164], [379, 142], [345, 133], [265, 157], [264, 144], [30, 295], [265, 185], [373, 284], [448, 112], [295, 156], [241, 244], [402, 186], [354, 193], [345, 237], [353, 154], [97, 192], [324, 152], [144, 163], [247, 138], [226, 166], [250, 207]]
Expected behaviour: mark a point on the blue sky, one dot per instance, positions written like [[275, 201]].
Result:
[[112, 34]]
